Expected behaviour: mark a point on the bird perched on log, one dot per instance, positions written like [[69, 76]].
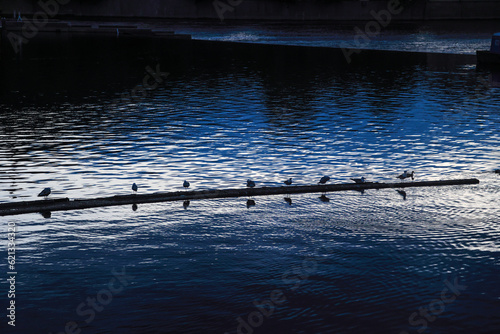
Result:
[[324, 179], [186, 184], [288, 182], [44, 193], [134, 187], [360, 180], [406, 175], [250, 183]]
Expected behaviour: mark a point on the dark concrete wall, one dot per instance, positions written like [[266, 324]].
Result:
[[263, 9]]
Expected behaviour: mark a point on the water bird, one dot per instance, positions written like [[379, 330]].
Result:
[[250, 183], [288, 182], [134, 207], [402, 193], [360, 180], [44, 193], [288, 200], [134, 187], [185, 204], [186, 184], [406, 175], [250, 203], [324, 179], [324, 199]]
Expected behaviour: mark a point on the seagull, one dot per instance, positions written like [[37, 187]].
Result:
[[324, 179], [406, 175], [185, 184], [288, 182], [44, 193], [250, 183], [402, 193], [134, 187], [361, 180]]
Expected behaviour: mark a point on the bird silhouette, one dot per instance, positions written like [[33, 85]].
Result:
[[288, 182], [324, 199], [360, 180], [288, 200], [134, 187], [44, 193], [185, 204], [406, 175], [46, 214], [324, 179], [186, 184], [497, 171], [402, 193], [250, 183], [250, 203]]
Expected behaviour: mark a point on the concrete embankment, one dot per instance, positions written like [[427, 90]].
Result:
[[311, 10]]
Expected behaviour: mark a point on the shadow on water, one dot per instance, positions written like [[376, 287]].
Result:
[[65, 67]]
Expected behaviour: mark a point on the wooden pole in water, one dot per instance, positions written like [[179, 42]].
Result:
[[16, 208]]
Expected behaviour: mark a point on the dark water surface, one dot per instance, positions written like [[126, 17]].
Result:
[[360, 263]]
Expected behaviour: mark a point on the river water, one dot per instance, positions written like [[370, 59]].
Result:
[[369, 262]]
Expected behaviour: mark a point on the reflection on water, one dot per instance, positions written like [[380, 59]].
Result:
[[373, 259], [218, 128]]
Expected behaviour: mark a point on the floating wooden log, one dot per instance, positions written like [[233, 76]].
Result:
[[67, 204]]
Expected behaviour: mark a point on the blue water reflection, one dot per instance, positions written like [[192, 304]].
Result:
[[374, 258], [218, 130]]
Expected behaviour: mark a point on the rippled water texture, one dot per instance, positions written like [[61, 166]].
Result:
[[359, 263]]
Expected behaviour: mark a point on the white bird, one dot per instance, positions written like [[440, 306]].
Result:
[[44, 193], [406, 175]]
